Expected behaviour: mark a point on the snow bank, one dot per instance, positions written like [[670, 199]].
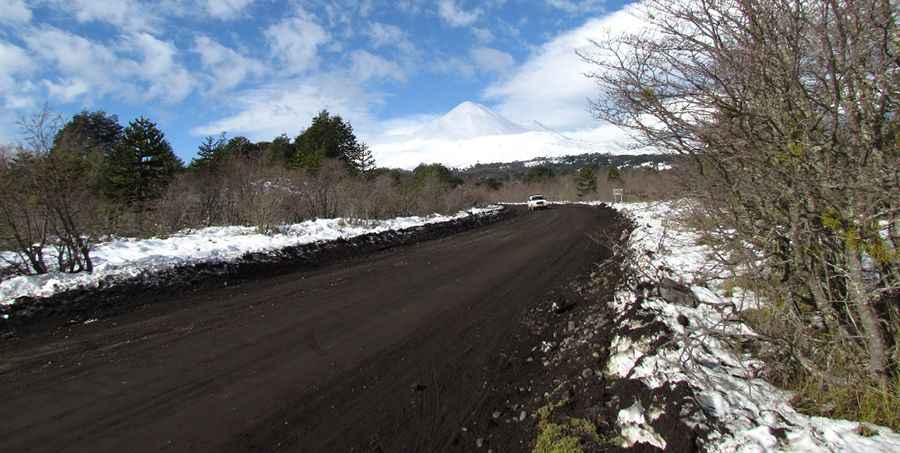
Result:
[[125, 258], [750, 415]]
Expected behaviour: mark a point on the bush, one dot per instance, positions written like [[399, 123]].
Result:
[[789, 112]]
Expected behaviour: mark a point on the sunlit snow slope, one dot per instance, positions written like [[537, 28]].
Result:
[[472, 133]]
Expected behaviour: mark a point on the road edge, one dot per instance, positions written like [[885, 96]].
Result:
[[115, 295]]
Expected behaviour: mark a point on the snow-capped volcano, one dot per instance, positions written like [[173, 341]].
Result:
[[468, 120], [472, 133]]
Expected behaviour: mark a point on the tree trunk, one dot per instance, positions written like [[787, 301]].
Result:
[[872, 331]]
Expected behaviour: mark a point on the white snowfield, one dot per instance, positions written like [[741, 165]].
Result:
[[750, 408], [472, 133], [124, 258]]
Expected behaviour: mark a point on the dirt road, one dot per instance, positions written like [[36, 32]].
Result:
[[388, 352]]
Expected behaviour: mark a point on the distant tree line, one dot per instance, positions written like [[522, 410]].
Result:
[[72, 183]]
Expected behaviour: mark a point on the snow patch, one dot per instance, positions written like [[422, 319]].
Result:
[[750, 409], [634, 428]]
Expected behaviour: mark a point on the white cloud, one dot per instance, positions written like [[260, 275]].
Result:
[[67, 90], [74, 57], [129, 15], [289, 106], [386, 35], [15, 12], [402, 127], [140, 67], [226, 67], [226, 9], [446, 64], [551, 86], [166, 79], [14, 60], [482, 34], [579, 7], [492, 60], [295, 41], [367, 66], [455, 16], [17, 66]]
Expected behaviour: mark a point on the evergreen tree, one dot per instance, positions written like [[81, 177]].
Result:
[[585, 181], [210, 151], [539, 173], [141, 166], [360, 159], [330, 137], [88, 138], [89, 133], [435, 172], [278, 150], [242, 147], [613, 174]]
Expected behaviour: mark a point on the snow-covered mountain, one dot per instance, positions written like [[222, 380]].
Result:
[[465, 121], [472, 133]]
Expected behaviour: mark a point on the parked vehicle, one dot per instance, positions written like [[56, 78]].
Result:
[[537, 202]]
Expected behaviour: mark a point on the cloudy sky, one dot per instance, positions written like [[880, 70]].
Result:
[[260, 68]]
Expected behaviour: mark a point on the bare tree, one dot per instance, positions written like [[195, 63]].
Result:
[[47, 201], [789, 111]]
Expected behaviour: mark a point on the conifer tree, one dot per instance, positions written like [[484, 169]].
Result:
[[330, 137], [613, 174], [141, 166], [209, 152], [586, 181], [86, 141], [89, 133]]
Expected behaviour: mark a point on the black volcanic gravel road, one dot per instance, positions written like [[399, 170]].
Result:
[[388, 352]]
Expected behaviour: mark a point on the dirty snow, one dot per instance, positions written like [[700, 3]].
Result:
[[635, 428], [750, 409], [124, 258]]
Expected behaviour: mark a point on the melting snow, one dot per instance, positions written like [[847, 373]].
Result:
[[751, 409], [635, 428]]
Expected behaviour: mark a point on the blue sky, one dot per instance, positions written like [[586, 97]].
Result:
[[259, 68]]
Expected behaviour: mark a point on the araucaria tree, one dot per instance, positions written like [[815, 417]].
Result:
[[141, 166], [789, 110]]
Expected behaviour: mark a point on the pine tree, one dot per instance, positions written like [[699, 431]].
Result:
[[141, 166], [586, 181]]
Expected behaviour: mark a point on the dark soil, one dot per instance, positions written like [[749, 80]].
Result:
[[394, 351], [115, 296], [557, 364]]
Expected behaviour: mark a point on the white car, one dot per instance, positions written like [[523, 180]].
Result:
[[537, 202]]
